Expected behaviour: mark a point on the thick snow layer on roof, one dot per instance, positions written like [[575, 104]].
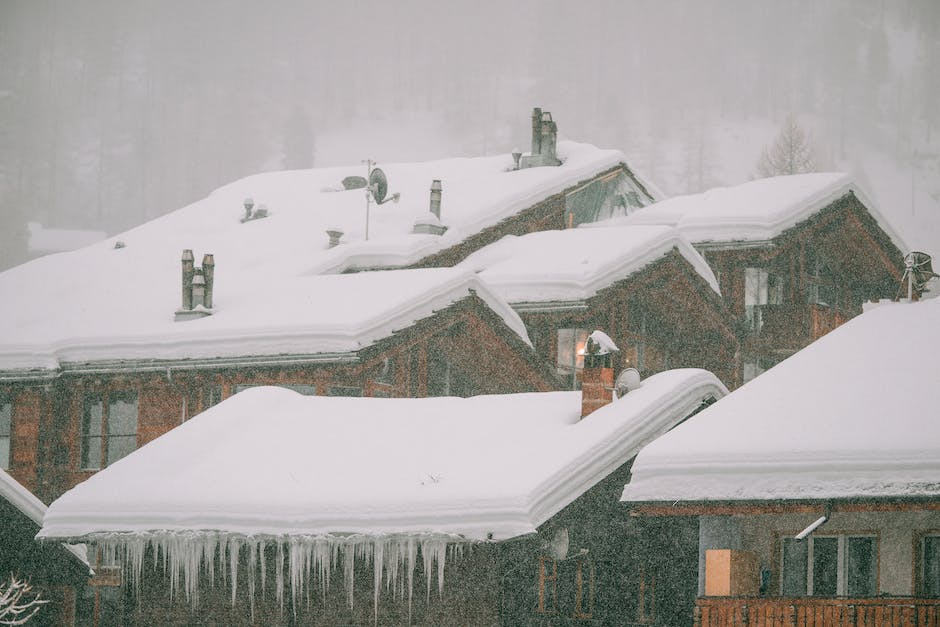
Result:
[[852, 415], [574, 264], [270, 461], [119, 302], [44, 240], [754, 211], [14, 493], [294, 315]]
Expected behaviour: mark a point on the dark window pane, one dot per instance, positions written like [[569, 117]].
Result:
[[340, 390], [91, 452], [6, 418], [122, 414], [932, 566], [825, 566], [794, 567], [5, 452], [302, 388], [861, 566], [119, 446], [91, 415]]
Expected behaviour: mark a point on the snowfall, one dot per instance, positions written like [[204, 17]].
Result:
[[116, 298], [852, 415], [434, 473], [754, 211], [573, 264]]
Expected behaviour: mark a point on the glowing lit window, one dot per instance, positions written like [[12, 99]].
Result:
[[570, 354]]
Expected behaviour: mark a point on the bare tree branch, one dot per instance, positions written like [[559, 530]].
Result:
[[18, 602]]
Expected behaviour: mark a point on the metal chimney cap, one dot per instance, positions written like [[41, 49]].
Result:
[[199, 280], [208, 259], [188, 254], [436, 185]]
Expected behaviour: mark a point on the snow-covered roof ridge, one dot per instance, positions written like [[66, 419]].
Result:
[[16, 494], [122, 292], [317, 315], [574, 264], [849, 416], [417, 472], [756, 211]]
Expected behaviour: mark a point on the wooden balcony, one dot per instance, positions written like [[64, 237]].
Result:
[[816, 612]]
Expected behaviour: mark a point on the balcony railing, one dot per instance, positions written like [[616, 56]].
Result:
[[816, 612]]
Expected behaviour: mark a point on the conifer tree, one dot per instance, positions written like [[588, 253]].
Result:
[[791, 152]]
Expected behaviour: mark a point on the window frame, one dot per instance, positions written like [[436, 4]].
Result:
[[920, 547], [570, 371], [108, 399], [6, 407], [842, 557]]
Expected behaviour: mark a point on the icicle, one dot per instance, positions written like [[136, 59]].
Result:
[[349, 565], [378, 561], [252, 565]]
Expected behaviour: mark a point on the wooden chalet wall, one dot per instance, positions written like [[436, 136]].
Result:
[[606, 578], [684, 321], [54, 573], [546, 215], [461, 350], [862, 264]]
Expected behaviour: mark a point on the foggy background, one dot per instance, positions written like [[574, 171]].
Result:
[[113, 112]]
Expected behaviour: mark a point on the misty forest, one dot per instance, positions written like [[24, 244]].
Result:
[[114, 112]]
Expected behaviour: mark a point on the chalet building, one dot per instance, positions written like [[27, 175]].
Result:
[[498, 509], [645, 286], [104, 348], [795, 256], [811, 493], [75, 403], [57, 573]]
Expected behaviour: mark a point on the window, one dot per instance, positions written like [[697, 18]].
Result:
[[345, 390], [6, 432], [211, 395], [760, 288], [548, 586], [301, 388], [570, 356], [820, 283], [829, 566], [584, 590], [109, 428], [930, 566]]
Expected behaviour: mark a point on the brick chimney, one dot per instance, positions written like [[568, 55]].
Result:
[[208, 273], [597, 377], [544, 140], [188, 272]]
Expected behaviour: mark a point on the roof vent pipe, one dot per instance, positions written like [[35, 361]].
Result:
[[188, 271], [208, 273], [436, 198]]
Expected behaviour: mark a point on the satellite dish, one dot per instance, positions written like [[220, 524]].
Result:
[[354, 182], [917, 272], [627, 381], [378, 183]]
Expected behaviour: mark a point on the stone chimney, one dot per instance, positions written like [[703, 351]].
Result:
[[436, 198], [544, 140], [197, 284], [188, 271], [208, 273], [597, 377]]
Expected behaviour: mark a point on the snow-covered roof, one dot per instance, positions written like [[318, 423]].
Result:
[[755, 211], [269, 461], [853, 415], [43, 240], [325, 315], [115, 299], [573, 264], [13, 492]]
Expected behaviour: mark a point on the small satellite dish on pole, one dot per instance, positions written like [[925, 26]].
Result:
[[379, 185], [376, 190], [917, 272]]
